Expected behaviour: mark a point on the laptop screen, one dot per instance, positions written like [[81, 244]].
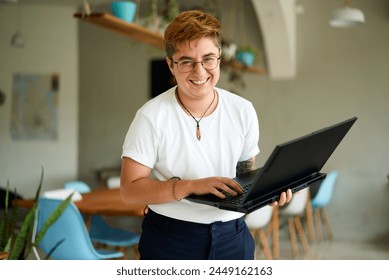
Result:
[[299, 158]]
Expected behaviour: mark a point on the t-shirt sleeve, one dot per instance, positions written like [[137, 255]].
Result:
[[141, 140], [251, 148]]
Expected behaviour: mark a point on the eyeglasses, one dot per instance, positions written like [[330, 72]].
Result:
[[188, 65]]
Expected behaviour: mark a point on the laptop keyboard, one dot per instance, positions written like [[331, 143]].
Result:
[[237, 200]]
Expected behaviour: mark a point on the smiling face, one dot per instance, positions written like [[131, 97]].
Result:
[[199, 83]]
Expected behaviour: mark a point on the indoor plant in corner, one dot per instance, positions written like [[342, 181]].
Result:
[[17, 244]]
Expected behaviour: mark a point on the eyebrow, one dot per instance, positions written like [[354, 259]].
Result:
[[190, 58]]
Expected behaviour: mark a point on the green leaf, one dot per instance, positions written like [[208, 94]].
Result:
[[20, 241], [4, 229], [52, 218], [8, 244], [38, 191]]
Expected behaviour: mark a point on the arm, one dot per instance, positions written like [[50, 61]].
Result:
[[137, 188], [245, 166]]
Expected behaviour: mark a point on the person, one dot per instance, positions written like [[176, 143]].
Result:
[[191, 139]]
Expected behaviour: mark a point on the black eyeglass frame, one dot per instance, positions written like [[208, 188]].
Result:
[[194, 63]]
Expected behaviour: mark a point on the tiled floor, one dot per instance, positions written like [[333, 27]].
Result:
[[335, 249]]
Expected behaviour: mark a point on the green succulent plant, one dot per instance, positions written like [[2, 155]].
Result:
[[18, 243]]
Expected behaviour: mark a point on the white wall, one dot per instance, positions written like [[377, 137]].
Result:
[[51, 38]]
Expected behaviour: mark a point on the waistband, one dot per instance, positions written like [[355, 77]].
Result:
[[190, 225]]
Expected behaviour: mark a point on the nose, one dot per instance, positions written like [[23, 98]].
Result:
[[198, 67]]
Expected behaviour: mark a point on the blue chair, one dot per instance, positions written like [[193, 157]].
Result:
[[69, 234], [79, 186], [101, 232], [320, 201]]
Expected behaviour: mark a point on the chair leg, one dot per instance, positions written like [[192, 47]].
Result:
[[136, 252], [326, 223], [275, 224], [253, 233], [301, 233], [265, 244], [121, 249], [293, 239], [308, 213], [318, 225], [268, 230]]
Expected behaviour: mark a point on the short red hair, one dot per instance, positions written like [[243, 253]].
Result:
[[191, 25]]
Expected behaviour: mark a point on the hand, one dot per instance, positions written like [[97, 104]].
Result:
[[216, 186], [285, 197]]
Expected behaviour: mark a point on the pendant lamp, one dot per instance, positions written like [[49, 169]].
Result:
[[17, 40], [347, 16]]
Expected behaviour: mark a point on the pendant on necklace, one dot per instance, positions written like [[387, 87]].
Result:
[[198, 132]]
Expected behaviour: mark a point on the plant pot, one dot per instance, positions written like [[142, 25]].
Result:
[[246, 58], [124, 10]]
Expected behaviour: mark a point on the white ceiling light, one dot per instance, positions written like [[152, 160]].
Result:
[[347, 16]]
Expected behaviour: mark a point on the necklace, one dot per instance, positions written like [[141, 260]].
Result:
[[198, 132]]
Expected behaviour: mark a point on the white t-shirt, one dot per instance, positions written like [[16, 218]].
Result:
[[163, 137]]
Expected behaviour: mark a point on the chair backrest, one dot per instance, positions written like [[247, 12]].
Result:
[[79, 186], [113, 182], [324, 194], [259, 218], [70, 229], [297, 205]]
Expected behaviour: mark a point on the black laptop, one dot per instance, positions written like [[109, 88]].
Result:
[[292, 165]]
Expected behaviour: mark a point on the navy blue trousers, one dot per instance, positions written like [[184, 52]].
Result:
[[164, 238]]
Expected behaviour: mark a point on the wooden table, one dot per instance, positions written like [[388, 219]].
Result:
[[101, 201], [3, 255]]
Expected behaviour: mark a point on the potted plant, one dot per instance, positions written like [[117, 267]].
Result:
[[172, 9], [228, 50], [16, 244], [246, 54]]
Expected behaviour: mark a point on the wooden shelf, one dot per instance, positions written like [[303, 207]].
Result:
[[131, 30], [234, 64], [144, 35]]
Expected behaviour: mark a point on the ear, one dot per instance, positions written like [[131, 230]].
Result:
[[170, 64]]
